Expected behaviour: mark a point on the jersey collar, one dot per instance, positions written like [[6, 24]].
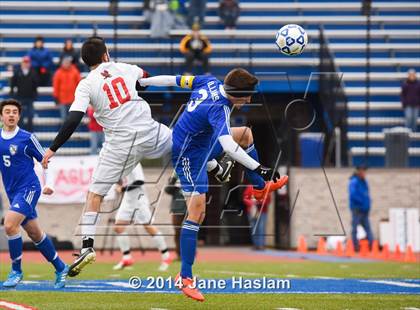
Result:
[[7, 135]]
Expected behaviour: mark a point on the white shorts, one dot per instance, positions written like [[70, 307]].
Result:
[[116, 162], [134, 208]]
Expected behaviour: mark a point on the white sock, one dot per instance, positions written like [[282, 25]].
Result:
[[160, 242], [88, 225], [212, 164], [124, 243]]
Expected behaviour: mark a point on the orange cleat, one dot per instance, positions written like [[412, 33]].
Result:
[[187, 286], [270, 186]]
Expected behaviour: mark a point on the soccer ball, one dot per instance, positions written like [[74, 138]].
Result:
[[291, 39]]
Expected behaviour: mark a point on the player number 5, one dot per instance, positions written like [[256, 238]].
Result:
[[6, 160], [119, 81]]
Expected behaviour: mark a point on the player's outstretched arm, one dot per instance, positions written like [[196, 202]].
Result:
[[237, 153], [159, 80]]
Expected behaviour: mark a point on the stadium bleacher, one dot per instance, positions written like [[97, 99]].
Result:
[[395, 48]]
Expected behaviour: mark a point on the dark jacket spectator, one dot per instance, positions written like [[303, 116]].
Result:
[[42, 61], [23, 87], [195, 46], [24, 83], [229, 12], [196, 12], [360, 205], [178, 208], [410, 99], [70, 52]]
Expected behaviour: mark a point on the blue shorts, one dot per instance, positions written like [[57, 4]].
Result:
[[191, 166], [25, 201]]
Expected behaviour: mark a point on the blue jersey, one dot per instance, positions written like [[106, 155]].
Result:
[[206, 116], [195, 136], [17, 162]]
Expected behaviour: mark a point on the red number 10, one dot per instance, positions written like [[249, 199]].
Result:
[[121, 100]]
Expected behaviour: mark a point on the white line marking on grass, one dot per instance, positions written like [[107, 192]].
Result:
[[395, 283], [410, 308], [13, 306], [243, 273], [120, 284], [326, 278], [286, 309], [115, 275]]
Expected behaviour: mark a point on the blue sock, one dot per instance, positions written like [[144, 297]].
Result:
[[256, 180], [15, 250], [46, 247], [188, 245]]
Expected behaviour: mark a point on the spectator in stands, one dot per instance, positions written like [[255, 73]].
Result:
[[179, 13], [178, 208], [42, 61], [359, 199], [161, 20], [195, 47], [410, 99], [196, 12], [229, 13], [257, 215], [69, 51], [65, 81], [97, 137], [23, 87]]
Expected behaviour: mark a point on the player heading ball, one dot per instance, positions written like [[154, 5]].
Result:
[[203, 133]]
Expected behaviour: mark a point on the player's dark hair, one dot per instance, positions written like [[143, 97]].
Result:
[[92, 51], [240, 83], [10, 102]]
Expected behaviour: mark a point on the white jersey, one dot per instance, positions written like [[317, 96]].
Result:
[[111, 89]]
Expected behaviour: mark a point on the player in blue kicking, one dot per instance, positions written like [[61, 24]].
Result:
[[203, 133], [18, 148]]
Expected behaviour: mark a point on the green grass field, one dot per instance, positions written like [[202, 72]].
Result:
[[62, 300]]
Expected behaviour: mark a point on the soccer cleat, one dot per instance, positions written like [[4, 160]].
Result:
[[60, 277], [13, 279], [225, 166], [164, 265], [270, 186], [187, 286], [124, 262], [83, 259]]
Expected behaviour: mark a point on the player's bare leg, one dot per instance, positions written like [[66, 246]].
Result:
[[196, 212], [88, 230]]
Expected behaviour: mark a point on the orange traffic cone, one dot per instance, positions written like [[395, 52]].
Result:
[[397, 253], [302, 247], [364, 248], [349, 248], [409, 255], [321, 246], [375, 250], [385, 251], [339, 249]]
